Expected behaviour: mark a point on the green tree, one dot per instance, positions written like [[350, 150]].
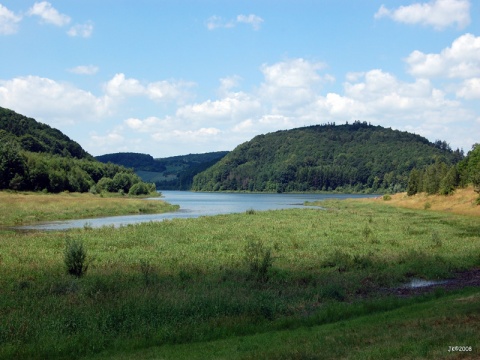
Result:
[[449, 182], [413, 182], [105, 184], [12, 164]]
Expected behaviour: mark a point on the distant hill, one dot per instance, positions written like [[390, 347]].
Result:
[[33, 136], [170, 173], [352, 157], [37, 157]]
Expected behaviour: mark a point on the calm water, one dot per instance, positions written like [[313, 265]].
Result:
[[194, 204]]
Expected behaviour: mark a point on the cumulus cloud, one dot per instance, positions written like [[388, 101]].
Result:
[[439, 14], [469, 89], [84, 70], [121, 87], [291, 83], [461, 60], [56, 103], [216, 22], [81, 30], [50, 101], [8, 21], [49, 14]]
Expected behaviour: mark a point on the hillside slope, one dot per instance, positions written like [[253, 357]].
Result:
[[355, 157], [37, 137], [36, 157]]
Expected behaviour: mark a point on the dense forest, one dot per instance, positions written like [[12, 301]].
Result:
[[170, 173], [36, 157], [354, 157]]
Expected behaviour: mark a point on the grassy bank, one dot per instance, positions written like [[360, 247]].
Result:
[[187, 281], [462, 201], [27, 208]]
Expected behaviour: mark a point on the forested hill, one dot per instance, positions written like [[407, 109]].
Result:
[[36, 157], [37, 137], [170, 173], [355, 157]]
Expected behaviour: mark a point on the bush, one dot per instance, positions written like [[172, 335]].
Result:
[[259, 260], [148, 272], [75, 258], [141, 188]]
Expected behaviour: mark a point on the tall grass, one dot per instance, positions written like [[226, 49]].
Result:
[[186, 280]]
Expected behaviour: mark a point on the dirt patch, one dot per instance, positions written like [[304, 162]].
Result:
[[460, 280]]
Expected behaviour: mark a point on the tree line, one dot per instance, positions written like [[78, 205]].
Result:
[[441, 178]]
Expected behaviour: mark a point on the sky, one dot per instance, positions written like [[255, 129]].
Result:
[[174, 77]]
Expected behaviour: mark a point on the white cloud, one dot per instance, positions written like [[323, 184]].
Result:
[[81, 30], [251, 19], [216, 22], [169, 90], [291, 83], [50, 101], [8, 21], [231, 109], [227, 84], [48, 14], [110, 139], [470, 89], [437, 13], [461, 60], [84, 70], [121, 87]]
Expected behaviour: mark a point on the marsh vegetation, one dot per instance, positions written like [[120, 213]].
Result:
[[254, 277]]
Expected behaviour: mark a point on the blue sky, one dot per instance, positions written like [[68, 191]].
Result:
[[167, 77]]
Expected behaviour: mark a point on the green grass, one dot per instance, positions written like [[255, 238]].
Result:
[[27, 208], [186, 281], [422, 329]]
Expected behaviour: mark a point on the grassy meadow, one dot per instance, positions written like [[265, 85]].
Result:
[[27, 208], [288, 284]]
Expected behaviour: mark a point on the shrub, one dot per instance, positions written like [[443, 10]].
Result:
[[387, 197], [75, 258], [148, 272], [259, 260], [367, 232]]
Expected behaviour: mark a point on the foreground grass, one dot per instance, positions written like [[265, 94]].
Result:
[[27, 208], [187, 281], [425, 328]]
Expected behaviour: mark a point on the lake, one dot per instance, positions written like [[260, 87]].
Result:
[[195, 204]]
